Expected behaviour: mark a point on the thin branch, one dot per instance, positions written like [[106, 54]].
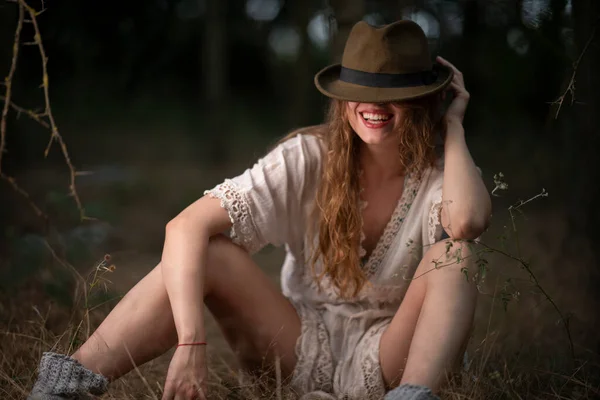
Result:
[[521, 203], [570, 90], [516, 207], [45, 119], [33, 115], [533, 277], [8, 85], [7, 104], [439, 265], [55, 135], [518, 258]]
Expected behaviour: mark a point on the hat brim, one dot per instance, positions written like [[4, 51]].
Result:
[[328, 82]]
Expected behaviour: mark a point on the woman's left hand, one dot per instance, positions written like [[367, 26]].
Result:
[[457, 108]]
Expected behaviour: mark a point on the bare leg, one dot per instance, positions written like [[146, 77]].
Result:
[[432, 324], [257, 319]]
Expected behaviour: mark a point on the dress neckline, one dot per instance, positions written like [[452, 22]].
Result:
[[371, 263]]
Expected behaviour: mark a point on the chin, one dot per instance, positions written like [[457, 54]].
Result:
[[374, 137], [372, 140]]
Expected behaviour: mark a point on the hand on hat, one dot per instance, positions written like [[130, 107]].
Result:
[[457, 108]]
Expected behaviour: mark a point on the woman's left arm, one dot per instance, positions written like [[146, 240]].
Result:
[[466, 202]]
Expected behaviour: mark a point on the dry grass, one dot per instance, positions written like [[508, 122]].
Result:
[[27, 330], [30, 323], [519, 354]]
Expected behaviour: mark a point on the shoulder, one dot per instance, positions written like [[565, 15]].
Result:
[[309, 139], [304, 146], [293, 160]]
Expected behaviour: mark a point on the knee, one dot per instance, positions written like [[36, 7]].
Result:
[[451, 256], [450, 251], [219, 243], [221, 248], [221, 256]]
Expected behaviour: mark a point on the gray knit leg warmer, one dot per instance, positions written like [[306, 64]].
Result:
[[411, 392], [62, 377]]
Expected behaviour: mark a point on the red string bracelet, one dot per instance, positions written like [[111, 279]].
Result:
[[192, 344]]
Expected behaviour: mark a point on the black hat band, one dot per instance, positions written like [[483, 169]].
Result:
[[381, 80]]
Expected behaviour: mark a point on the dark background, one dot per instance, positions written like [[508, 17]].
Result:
[[162, 99]]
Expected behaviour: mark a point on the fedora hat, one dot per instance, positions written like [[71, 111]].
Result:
[[391, 63]]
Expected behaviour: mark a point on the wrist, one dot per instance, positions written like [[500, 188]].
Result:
[[453, 123], [191, 337], [454, 129], [190, 344]]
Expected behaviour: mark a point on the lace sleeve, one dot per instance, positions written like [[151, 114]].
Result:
[[267, 203], [434, 225], [233, 200]]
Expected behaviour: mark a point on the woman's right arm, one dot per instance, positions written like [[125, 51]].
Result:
[[183, 267], [264, 206], [183, 263]]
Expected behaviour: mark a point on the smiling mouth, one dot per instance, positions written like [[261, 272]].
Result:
[[375, 120]]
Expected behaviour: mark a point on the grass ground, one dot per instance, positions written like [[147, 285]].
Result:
[[499, 368]]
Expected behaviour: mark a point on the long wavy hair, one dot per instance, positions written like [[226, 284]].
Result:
[[337, 218]]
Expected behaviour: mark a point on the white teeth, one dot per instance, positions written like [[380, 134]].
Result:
[[375, 117]]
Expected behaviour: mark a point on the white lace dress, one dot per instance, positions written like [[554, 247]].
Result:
[[338, 350]]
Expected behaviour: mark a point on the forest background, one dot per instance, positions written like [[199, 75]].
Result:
[[158, 100]]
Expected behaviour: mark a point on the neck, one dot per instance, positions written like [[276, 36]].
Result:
[[380, 162]]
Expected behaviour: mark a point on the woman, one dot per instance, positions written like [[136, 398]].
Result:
[[373, 297]]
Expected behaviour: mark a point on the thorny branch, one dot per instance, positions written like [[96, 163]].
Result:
[[8, 94], [45, 119], [570, 90], [33, 115], [28, 15]]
